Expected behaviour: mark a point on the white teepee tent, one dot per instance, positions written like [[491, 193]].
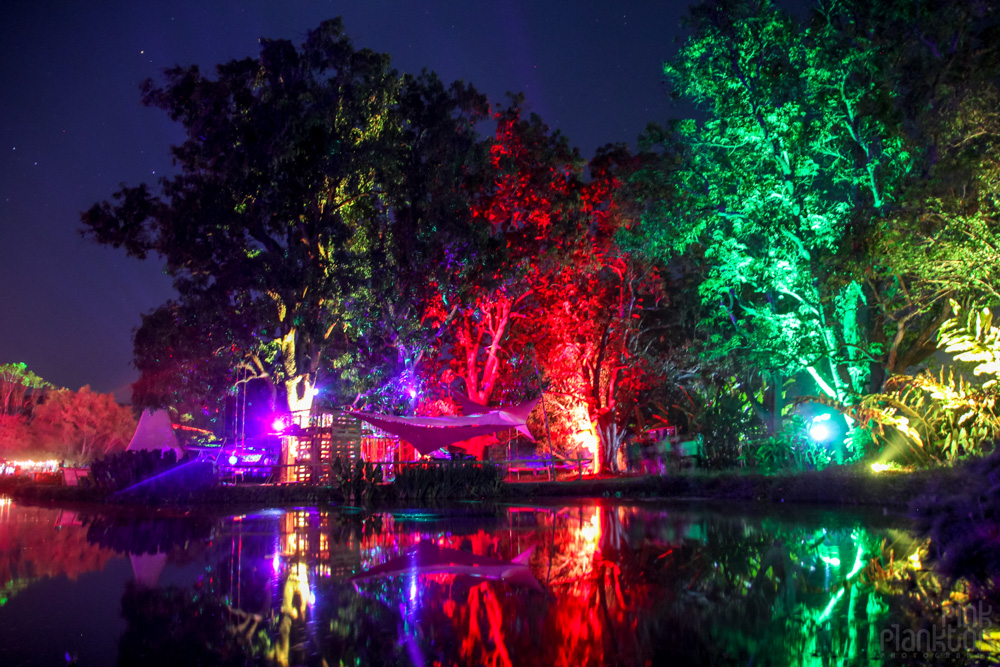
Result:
[[154, 432]]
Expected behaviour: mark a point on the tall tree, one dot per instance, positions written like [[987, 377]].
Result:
[[588, 314], [794, 149], [428, 247], [528, 207]]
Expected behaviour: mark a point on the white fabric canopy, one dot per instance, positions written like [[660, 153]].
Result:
[[428, 434]]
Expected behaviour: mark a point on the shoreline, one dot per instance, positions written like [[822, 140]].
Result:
[[849, 487]]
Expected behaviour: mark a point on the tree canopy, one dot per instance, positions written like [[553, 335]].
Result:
[[300, 199], [806, 151]]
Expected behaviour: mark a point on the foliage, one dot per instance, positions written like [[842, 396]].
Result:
[[942, 240], [17, 389], [792, 450], [81, 425], [769, 183], [122, 470], [528, 206], [297, 217], [825, 149], [931, 419], [15, 435], [725, 423], [358, 485], [452, 480], [186, 364], [927, 418], [974, 338]]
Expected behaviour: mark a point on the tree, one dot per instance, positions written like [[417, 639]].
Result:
[[269, 220], [15, 435], [427, 248], [529, 208], [316, 193], [18, 388], [796, 149], [943, 240], [82, 425], [588, 315]]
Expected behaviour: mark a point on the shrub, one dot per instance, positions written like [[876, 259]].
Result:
[[452, 480], [120, 471]]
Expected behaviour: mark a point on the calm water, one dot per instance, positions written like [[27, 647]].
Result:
[[592, 583]]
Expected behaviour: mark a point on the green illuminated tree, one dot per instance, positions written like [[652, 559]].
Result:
[[943, 240], [796, 147], [17, 387]]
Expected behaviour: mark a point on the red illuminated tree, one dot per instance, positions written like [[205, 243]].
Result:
[[587, 320], [82, 425], [530, 205]]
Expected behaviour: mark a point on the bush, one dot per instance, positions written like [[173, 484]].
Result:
[[120, 471], [453, 480]]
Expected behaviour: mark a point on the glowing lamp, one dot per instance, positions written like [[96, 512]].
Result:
[[278, 425], [413, 392], [232, 459], [879, 467], [315, 392], [820, 432]]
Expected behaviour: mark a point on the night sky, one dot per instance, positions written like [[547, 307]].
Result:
[[72, 127]]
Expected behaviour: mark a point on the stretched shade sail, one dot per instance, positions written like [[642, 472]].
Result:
[[428, 434]]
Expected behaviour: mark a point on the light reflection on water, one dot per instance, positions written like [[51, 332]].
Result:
[[620, 584]]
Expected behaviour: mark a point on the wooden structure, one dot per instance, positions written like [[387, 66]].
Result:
[[314, 441]]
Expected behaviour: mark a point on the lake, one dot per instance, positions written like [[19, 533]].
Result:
[[596, 582]]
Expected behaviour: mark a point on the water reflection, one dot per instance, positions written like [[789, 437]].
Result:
[[594, 583]]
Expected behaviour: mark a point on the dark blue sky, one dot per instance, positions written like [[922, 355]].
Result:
[[72, 127]]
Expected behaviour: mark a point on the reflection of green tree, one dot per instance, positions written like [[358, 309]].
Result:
[[624, 586], [363, 625], [766, 595]]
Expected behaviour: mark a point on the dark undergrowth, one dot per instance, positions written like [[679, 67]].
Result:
[[844, 486]]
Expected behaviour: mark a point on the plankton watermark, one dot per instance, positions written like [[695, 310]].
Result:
[[958, 633]]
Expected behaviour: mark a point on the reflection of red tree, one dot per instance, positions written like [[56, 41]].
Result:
[[590, 618], [32, 546]]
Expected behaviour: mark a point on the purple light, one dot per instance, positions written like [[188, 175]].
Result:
[[413, 392], [278, 425], [232, 460]]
